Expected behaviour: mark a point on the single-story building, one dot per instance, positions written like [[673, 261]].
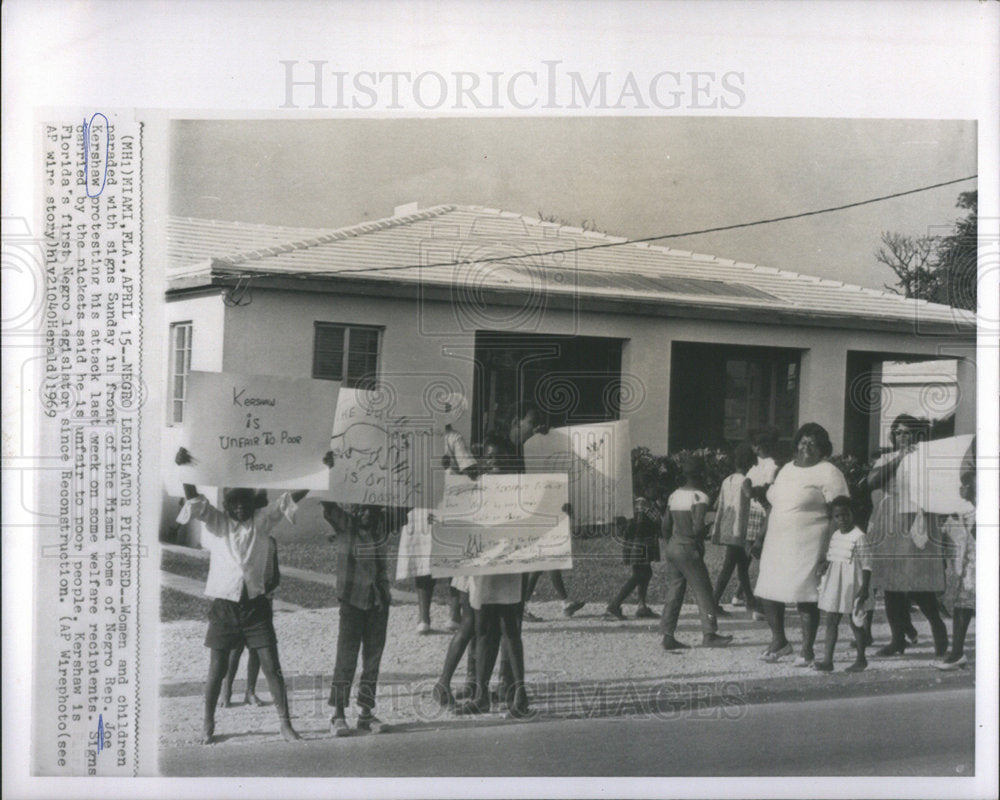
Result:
[[510, 310]]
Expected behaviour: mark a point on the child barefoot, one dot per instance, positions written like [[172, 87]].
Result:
[[240, 612], [272, 577], [844, 588]]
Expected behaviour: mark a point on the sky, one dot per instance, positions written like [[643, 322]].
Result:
[[628, 176]]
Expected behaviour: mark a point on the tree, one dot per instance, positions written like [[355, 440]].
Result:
[[942, 269]]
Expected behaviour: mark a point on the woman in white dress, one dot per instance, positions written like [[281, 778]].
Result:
[[798, 531]]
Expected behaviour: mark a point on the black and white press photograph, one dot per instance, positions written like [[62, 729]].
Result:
[[596, 446]]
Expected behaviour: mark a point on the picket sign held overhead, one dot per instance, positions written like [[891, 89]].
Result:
[[380, 456], [260, 431], [931, 474], [598, 461], [501, 524]]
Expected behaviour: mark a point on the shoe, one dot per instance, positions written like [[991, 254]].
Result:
[[802, 661], [775, 656], [453, 626], [819, 666], [423, 628], [570, 609], [372, 724], [857, 666], [738, 601], [529, 617], [465, 693], [645, 612], [614, 612], [338, 727], [721, 612], [470, 707], [670, 643], [519, 712], [891, 650], [947, 666], [912, 636], [715, 640], [442, 694]]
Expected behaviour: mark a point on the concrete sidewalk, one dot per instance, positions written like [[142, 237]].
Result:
[[579, 667]]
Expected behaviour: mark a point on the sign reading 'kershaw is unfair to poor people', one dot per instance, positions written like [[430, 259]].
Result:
[[259, 430], [597, 460], [500, 524]]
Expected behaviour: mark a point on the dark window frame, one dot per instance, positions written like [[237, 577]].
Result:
[[347, 373]]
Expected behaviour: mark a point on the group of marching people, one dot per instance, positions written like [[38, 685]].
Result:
[[800, 521], [797, 518]]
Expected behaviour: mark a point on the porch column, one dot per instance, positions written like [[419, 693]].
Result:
[[965, 410], [823, 388]]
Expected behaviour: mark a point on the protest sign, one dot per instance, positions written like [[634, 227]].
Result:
[[380, 456], [931, 474], [597, 459], [501, 524], [258, 430]]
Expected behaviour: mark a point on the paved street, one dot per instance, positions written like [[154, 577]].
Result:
[[928, 733]]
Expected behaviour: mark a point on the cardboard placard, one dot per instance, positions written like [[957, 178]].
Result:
[[501, 524], [598, 460], [259, 431]]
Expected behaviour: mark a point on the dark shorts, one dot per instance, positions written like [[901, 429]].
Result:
[[248, 622]]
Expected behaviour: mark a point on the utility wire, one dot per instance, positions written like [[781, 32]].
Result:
[[604, 245]]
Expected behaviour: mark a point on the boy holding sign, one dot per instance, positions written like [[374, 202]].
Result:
[[363, 591], [240, 613]]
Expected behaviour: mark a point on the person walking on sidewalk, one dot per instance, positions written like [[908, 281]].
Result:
[[908, 561], [640, 548], [683, 530], [730, 528], [961, 531], [523, 428], [845, 584], [798, 530]]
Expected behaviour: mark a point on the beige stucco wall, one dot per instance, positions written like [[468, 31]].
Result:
[[422, 342]]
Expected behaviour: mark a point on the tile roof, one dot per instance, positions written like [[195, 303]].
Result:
[[483, 249]]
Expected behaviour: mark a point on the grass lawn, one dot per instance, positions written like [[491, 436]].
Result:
[[291, 590], [597, 574], [176, 605]]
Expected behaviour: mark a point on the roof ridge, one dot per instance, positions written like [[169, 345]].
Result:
[[328, 235]]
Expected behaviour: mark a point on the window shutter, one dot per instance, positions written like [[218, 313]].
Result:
[[328, 352]]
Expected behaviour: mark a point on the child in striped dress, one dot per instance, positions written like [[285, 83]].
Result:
[[844, 587]]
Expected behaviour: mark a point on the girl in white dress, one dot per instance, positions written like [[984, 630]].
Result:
[[844, 587]]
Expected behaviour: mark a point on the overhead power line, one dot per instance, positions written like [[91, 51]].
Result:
[[604, 245]]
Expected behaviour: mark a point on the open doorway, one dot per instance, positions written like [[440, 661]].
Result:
[[570, 379], [721, 394]]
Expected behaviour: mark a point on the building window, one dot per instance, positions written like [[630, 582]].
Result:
[[180, 368], [346, 353]]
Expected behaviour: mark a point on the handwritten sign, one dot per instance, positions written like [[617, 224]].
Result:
[[501, 524], [597, 459], [258, 430], [931, 474], [380, 456]]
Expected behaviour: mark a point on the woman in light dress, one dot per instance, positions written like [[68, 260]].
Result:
[[798, 531]]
